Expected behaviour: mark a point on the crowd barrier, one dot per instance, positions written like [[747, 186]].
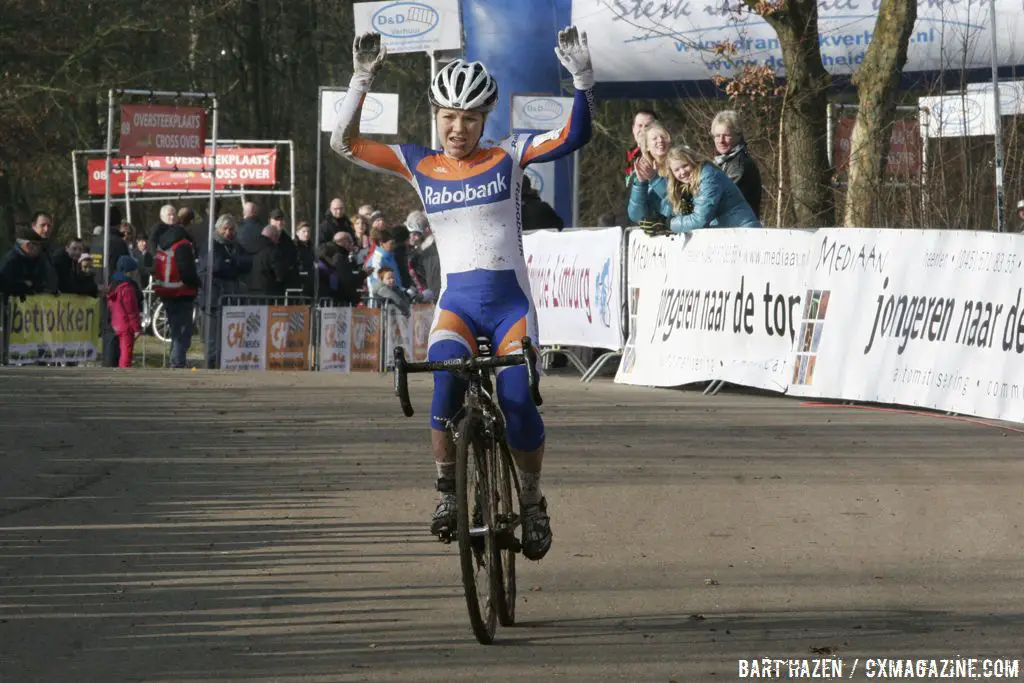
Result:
[[927, 318]]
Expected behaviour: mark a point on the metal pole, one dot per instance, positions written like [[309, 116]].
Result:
[[999, 124], [316, 216], [576, 189], [291, 164], [78, 207], [106, 195], [924, 164], [208, 306], [434, 144]]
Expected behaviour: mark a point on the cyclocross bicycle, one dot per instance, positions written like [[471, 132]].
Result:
[[486, 483]]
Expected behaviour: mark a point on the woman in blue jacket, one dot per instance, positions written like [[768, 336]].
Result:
[[716, 201], [647, 184]]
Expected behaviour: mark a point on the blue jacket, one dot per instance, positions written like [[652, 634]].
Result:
[[645, 198], [719, 204]]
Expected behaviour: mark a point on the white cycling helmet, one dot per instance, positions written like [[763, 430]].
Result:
[[464, 85]]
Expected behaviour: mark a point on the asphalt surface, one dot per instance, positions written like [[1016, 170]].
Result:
[[170, 527]]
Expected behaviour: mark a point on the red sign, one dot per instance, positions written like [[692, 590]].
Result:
[[904, 147], [158, 129], [236, 166]]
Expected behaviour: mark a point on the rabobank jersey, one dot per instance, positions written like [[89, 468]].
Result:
[[473, 203]]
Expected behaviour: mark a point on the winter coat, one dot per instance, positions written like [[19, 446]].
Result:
[[742, 170], [538, 215], [123, 303], [21, 275], [387, 259], [397, 297], [248, 235], [118, 248], [184, 256], [270, 271], [645, 198], [330, 225], [230, 264], [718, 204]]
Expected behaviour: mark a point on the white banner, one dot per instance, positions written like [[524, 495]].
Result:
[[379, 114], [540, 112], [421, 26], [972, 112], [575, 280], [929, 318], [243, 338], [336, 339], [640, 40], [718, 304]]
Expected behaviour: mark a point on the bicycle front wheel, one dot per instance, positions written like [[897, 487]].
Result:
[[477, 549], [507, 514], [161, 328]]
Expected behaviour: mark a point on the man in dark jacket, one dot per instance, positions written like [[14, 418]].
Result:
[[335, 221], [269, 270], [23, 270], [231, 264], [65, 263], [180, 309], [537, 213], [250, 228], [427, 257]]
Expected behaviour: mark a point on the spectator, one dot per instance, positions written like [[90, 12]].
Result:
[[176, 282], [417, 270], [387, 290], [366, 211], [287, 250], [734, 158], [350, 270], [641, 121], [269, 274], [400, 234], [82, 280], [230, 264], [138, 251], [426, 248], [361, 233], [383, 257], [123, 302], [305, 248], [537, 213], [649, 189], [168, 217], [334, 221], [117, 249], [377, 221], [717, 201], [250, 228], [42, 225], [22, 269], [65, 263]]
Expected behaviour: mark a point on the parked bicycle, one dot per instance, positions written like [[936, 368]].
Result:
[[154, 317], [486, 483]]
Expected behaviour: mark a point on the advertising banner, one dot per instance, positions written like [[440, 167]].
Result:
[[676, 40], [366, 331], [243, 338], [398, 332], [575, 283], [904, 146], [236, 166], [379, 115], [422, 321], [930, 318], [336, 339], [717, 304], [162, 129], [419, 26], [47, 328], [288, 338]]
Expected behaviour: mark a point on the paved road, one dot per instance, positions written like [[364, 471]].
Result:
[[168, 527]]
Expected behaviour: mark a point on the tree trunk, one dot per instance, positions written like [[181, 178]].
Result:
[[803, 112], [877, 83]]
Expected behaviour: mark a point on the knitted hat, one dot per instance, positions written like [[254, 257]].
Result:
[[126, 264]]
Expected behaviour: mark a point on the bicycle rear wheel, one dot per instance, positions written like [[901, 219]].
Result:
[[507, 514], [161, 329], [475, 522]]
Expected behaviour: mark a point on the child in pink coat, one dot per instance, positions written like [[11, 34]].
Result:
[[123, 302]]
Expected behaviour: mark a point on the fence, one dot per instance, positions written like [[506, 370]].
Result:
[[929, 318]]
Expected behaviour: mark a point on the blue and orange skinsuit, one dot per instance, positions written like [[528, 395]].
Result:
[[474, 209]]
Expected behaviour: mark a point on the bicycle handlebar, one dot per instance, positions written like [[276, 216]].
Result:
[[462, 366]]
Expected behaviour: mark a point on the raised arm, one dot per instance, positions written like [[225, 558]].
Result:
[[574, 54], [368, 55]]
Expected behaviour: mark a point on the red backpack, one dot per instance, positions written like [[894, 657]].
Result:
[[166, 278]]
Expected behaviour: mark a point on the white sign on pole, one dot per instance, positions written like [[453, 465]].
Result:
[[422, 26], [379, 115], [675, 41], [575, 281], [963, 114], [540, 112]]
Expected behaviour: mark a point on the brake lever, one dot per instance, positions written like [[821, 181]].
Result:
[[402, 382], [531, 371]]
